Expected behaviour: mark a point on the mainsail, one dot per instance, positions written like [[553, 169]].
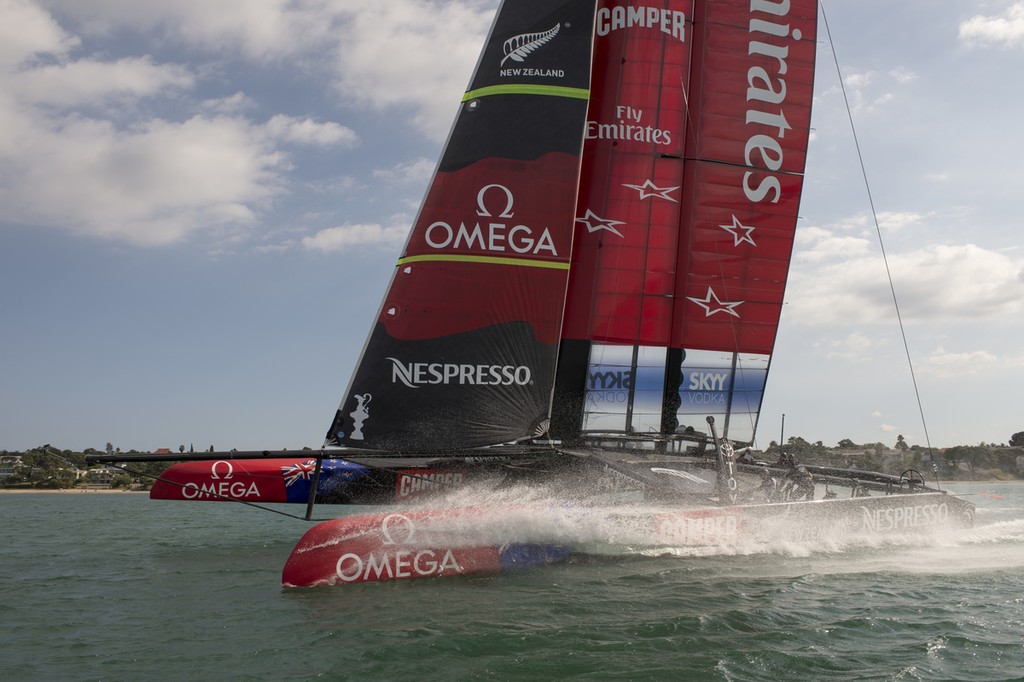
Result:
[[463, 350], [654, 147]]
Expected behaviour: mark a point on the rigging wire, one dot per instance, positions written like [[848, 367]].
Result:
[[878, 231]]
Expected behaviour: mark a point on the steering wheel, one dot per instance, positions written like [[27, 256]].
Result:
[[913, 480]]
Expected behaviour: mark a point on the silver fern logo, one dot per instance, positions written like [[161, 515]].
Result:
[[518, 48]]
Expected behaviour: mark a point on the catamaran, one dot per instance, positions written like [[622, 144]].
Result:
[[580, 327]]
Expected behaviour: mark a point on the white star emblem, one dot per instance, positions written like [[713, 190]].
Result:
[[649, 189], [740, 232], [594, 223], [712, 304]]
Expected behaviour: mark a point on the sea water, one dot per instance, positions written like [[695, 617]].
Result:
[[118, 587]]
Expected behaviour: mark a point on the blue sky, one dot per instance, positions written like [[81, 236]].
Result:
[[201, 202]]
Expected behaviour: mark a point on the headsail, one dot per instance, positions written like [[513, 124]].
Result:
[[692, 172], [464, 347]]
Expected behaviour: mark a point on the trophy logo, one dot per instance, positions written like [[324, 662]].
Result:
[[360, 415]]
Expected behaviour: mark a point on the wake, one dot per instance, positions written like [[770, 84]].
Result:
[[527, 515]]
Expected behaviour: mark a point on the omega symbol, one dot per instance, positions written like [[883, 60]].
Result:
[[227, 474], [404, 524], [509, 200]]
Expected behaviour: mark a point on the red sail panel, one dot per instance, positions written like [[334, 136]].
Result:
[[627, 234], [464, 348], [696, 142], [491, 245], [751, 97]]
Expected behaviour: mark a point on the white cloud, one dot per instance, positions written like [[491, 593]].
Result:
[[378, 48], [381, 62], [89, 81], [1006, 29], [417, 171], [816, 244], [857, 347], [857, 81], [944, 364], [76, 155], [870, 91], [345, 237], [308, 131], [963, 282], [150, 185], [957, 283], [232, 104], [27, 30], [857, 87], [902, 75], [891, 221], [262, 29]]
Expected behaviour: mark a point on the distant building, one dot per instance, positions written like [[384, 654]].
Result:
[[102, 475], [9, 465]]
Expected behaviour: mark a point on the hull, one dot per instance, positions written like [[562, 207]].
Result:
[[474, 540], [414, 544], [374, 480], [261, 480]]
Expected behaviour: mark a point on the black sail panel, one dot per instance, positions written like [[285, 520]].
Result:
[[463, 351]]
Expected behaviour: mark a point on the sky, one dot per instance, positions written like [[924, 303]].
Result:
[[202, 201]]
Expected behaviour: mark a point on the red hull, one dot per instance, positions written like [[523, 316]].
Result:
[[415, 544], [249, 480], [378, 547]]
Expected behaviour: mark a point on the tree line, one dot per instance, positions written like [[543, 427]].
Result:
[[963, 462], [49, 467]]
